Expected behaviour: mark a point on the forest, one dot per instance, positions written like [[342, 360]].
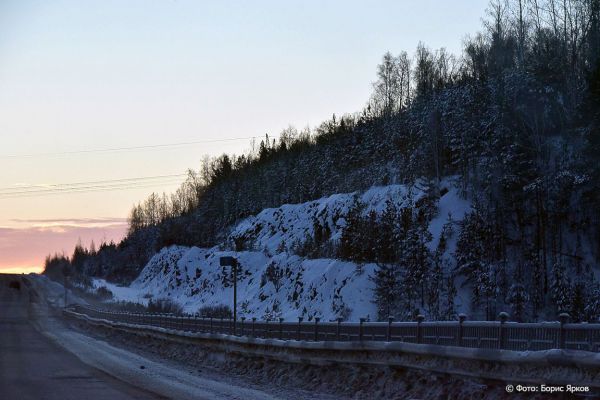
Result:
[[515, 117]]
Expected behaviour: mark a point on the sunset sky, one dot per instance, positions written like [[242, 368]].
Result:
[[79, 79]]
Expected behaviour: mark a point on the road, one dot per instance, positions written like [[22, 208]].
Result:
[[33, 367]]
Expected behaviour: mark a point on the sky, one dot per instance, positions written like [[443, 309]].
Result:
[[81, 76]]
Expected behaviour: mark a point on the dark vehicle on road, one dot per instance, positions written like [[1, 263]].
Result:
[[15, 285]]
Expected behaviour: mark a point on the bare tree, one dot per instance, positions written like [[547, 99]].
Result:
[[424, 70], [387, 87]]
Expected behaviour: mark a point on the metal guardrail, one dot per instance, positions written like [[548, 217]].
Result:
[[473, 334]]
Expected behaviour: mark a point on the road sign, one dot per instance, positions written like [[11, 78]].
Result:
[[229, 261]]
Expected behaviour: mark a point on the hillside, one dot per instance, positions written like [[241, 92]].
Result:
[[274, 282], [514, 119]]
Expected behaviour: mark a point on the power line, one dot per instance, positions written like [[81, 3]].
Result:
[[109, 189], [130, 148], [93, 186], [77, 184], [3, 197], [86, 188]]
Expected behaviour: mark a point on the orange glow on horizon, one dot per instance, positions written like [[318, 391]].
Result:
[[25, 269]]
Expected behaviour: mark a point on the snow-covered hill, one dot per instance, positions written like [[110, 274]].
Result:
[[274, 282]]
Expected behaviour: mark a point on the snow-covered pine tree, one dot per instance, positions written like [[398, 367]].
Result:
[[518, 299], [388, 233], [474, 259], [578, 301], [592, 308], [350, 246], [417, 261], [449, 311], [560, 288], [387, 289]]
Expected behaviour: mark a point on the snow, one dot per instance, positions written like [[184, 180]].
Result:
[[121, 293], [282, 227], [163, 379], [451, 205], [427, 362], [310, 288], [576, 357], [54, 292], [273, 282], [550, 366]]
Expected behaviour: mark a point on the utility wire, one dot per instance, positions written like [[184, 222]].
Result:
[[123, 149], [88, 190], [84, 188], [92, 186], [75, 185]]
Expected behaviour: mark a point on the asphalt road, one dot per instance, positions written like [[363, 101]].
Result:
[[33, 367]]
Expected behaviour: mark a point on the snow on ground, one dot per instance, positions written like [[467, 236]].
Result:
[[54, 292], [273, 282], [121, 293], [451, 206]]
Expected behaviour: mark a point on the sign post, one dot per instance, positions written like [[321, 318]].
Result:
[[229, 261]]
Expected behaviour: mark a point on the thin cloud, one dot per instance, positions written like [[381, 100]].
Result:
[[71, 220]]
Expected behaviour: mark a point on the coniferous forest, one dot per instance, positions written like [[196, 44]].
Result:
[[514, 120]]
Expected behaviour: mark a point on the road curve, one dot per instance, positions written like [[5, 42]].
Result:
[[33, 367]]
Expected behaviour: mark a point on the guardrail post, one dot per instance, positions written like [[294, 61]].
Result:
[[242, 319], [361, 329], [211, 325], [389, 329], [420, 319], [338, 329], [502, 339], [461, 319], [317, 319], [563, 318], [253, 326], [299, 333]]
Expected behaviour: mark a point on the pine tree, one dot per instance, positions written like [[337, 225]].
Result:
[[417, 262], [560, 288], [592, 308], [387, 289], [388, 233], [518, 299], [351, 245], [578, 302], [436, 289], [474, 259], [451, 292]]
